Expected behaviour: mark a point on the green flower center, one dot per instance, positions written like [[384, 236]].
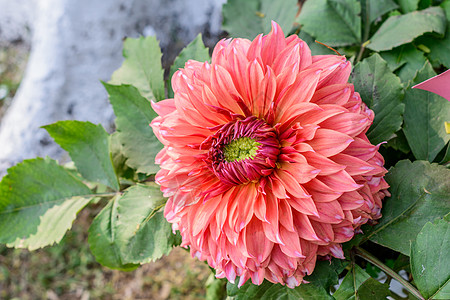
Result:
[[240, 149]]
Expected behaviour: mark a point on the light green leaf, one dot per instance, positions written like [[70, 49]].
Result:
[[88, 146], [351, 283], [333, 22], [132, 230], [142, 67], [134, 114], [430, 263], [196, 50], [419, 194], [382, 91], [408, 6], [39, 200], [247, 19], [270, 291], [372, 289], [215, 288], [399, 30], [424, 117]]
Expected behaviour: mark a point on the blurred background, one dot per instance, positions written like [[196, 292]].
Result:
[[53, 54]]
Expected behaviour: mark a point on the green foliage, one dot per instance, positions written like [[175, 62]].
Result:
[[419, 194], [377, 8], [131, 229], [351, 283], [397, 30], [339, 25], [430, 264], [142, 67], [247, 19], [425, 117], [38, 202], [382, 91], [88, 146], [134, 114], [196, 50], [373, 289]]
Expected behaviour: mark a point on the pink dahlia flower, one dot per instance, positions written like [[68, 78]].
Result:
[[266, 163]]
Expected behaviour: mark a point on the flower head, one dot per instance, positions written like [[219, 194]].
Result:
[[265, 161]]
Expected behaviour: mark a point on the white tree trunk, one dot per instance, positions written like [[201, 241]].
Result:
[[77, 43]]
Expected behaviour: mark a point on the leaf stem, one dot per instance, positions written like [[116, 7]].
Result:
[[365, 34], [372, 259]]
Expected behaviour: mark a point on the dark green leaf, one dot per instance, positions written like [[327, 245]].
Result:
[[377, 8], [196, 50], [88, 146], [430, 263], [399, 142], [247, 19], [270, 291], [419, 194], [326, 273], [39, 200], [351, 283], [132, 230], [333, 22], [424, 117], [134, 114], [382, 91], [440, 48], [142, 67], [399, 30], [372, 289], [406, 59], [316, 49]]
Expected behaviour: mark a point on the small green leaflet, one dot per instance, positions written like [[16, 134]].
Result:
[[142, 67], [424, 117], [39, 200], [196, 50], [377, 8], [333, 22], [399, 30], [247, 19], [88, 146], [382, 91], [430, 263], [134, 115], [132, 230], [408, 6], [420, 193]]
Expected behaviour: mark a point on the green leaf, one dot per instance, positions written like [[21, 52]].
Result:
[[326, 274], [39, 200], [424, 117], [270, 291], [132, 230], [430, 264], [408, 6], [316, 49], [215, 288], [196, 50], [351, 283], [382, 91], [134, 114], [333, 22], [406, 59], [440, 48], [377, 8], [88, 146], [399, 30], [399, 143], [247, 19], [142, 67], [373, 289], [419, 194]]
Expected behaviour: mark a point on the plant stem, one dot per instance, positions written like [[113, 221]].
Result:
[[372, 259], [365, 34]]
